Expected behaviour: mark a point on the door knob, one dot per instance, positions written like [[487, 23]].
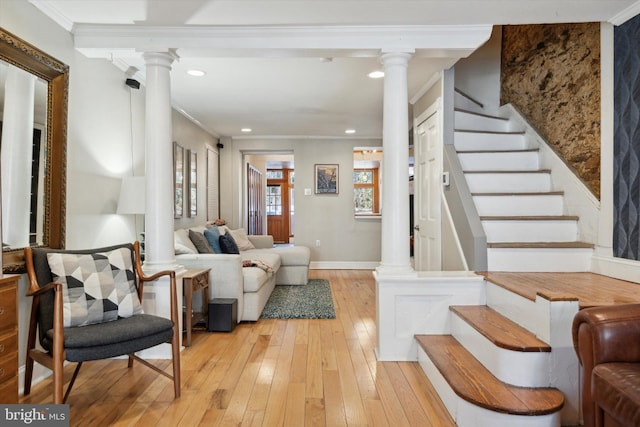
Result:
[[416, 227]]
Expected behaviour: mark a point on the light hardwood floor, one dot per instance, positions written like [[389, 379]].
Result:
[[318, 372]]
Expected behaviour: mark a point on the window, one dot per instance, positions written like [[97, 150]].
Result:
[[274, 200], [367, 170], [365, 191]]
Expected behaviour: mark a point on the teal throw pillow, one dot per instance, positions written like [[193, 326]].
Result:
[[213, 237]]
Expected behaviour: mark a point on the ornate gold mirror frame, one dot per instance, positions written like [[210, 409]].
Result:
[[17, 52]]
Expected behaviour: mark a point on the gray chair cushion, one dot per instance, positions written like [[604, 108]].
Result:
[[111, 339]]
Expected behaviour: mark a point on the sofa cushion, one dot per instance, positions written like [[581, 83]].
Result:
[[293, 255], [267, 256], [254, 278], [616, 389], [228, 245], [200, 242]]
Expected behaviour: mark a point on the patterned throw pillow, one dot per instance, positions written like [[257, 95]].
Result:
[[96, 287]]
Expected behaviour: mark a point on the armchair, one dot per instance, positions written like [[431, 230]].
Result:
[[607, 342], [96, 314]]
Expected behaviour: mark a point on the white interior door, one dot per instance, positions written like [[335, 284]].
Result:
[[428, 195]]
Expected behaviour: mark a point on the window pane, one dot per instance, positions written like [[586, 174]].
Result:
[[274, 203], [363, 177], [363, 199], [274, 174]]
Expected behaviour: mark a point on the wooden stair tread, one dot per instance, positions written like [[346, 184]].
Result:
[[502, 332], [471, 381], [531, 218], [541, 245], [469, 97]]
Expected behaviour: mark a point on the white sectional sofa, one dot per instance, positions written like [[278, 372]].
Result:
[[249, 276]]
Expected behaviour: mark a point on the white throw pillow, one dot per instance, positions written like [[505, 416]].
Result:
[[182, 242], [240, 236]]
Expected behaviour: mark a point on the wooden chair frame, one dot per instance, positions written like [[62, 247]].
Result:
[[55, 359]]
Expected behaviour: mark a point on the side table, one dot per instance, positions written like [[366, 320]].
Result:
[[194, 281]]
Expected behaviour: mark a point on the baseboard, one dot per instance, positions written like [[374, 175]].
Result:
[[343, 265], [619, 268]]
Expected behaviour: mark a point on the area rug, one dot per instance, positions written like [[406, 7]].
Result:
[[312, 301]]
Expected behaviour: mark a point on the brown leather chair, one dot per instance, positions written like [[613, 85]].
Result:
[[607, 342]]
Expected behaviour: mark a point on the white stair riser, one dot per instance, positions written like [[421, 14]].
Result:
[[468, 121], [489, 141], [508, 182], [519, 205], [466, 414], [496, 161], [565, 260], [463, 103], [530, 230], [524, 369]]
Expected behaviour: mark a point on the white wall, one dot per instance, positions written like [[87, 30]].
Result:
[[99, 136], [345, 242], [479, 75]]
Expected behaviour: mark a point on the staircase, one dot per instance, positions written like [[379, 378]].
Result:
[[522, 214], [510, 362]]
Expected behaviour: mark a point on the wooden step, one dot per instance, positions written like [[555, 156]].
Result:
[[474, 383], [501, 331]]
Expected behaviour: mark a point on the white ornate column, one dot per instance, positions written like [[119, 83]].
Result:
[[159, 251], [17, 146], [395, 187]]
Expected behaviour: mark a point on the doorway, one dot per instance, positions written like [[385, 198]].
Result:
[[280, 204]]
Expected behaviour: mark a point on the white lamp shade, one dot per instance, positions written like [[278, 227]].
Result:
[[132, 195]]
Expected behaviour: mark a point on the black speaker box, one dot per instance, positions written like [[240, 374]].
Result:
[[223, 314]]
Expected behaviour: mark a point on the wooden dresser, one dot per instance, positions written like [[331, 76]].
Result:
[[9, 339]]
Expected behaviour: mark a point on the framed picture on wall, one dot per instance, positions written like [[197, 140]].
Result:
[[326, 179], [193, 183], [178, 180]]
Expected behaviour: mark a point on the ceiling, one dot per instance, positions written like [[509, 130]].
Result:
[[269, 66]]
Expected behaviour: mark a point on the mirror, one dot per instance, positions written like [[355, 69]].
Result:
[[55, 75]]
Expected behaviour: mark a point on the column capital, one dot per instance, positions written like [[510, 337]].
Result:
[[161, 59], [396, 57]]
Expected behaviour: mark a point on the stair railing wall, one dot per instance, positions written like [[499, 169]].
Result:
[[466, 220]]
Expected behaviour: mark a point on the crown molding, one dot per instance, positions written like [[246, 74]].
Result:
[[626, 14], [52, 12], [365, 40]]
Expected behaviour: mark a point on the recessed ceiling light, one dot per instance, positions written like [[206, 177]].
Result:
[[350, 131], [196, 73], [245, 130], [376, 74]]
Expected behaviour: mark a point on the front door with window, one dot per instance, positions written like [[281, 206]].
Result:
[[279, 204]]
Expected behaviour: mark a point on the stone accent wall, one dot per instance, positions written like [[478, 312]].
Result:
[[551, 73]]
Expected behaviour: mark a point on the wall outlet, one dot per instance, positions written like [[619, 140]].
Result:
[[317, 243]]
